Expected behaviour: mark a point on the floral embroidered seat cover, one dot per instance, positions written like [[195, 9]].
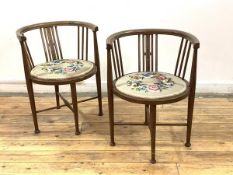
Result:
[[150, 85], [61, 69]]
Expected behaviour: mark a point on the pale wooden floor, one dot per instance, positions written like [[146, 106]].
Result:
[[56, 150]]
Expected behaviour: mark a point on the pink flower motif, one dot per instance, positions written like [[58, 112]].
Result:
[[153, 87], [161, 77], [68, 69]]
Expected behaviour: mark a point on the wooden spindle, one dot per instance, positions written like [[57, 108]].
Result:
[[120, 57], [86, 44], [78, 50], [178, 58], [182, 58], [186, 60], [139, 53], [82, 49]]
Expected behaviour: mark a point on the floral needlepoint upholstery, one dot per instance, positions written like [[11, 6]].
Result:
[[150, 85], [61, 69]]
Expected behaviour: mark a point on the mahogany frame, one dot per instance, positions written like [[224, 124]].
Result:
[[148, 61], [53, 50]]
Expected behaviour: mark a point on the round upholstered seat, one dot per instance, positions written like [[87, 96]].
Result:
[[150, 85], [64, 69]]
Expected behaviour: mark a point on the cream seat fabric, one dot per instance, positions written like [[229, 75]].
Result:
[[150, 85], [61, 69]]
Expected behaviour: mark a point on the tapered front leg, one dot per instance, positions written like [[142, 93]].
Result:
[[98, 85], [98, 76], [111, 118], [191, 98], [75, 107], [146, 114], [57, 96], [153, 131]]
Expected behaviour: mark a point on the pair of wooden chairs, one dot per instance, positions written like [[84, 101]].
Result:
[[142, 82]]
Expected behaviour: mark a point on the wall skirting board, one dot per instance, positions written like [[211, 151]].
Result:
[[20, 87]]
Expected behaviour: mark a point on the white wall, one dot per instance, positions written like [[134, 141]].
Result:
[[210, 20]]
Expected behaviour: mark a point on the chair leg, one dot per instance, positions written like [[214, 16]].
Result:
[[111, 118], [153, 131], [189, 119], [98, 85], [75, 107], [57, 96], [33, 105], [146, 114]]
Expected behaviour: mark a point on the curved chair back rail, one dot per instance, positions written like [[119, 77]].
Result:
[[148, 50], [57, 53], [180, 33], [20, 32], [148, 83], [52, 44]]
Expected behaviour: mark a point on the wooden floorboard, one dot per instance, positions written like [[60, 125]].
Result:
[[57, 150]]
